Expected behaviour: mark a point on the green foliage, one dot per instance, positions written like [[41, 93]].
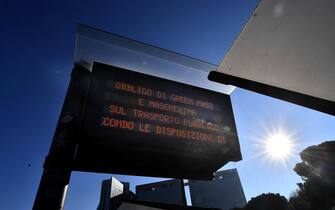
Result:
[[317, 192], [317, 169], [269, 201]]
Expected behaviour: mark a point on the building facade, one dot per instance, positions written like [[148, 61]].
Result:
[[113, 188], [224, 191], [169, 192]]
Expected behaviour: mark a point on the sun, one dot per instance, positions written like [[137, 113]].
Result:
[[276, 143], [279, 145]]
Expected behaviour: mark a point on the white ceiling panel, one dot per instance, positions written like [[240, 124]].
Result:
[[288, 44]]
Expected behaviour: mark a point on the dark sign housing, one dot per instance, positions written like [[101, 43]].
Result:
[[144, 125]]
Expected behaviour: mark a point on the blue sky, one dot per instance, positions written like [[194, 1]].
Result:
[[36, 54]]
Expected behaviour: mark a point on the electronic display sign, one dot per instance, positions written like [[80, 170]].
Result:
[[139, 124]]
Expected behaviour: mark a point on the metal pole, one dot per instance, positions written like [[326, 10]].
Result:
[[52, 190], [184, 201]]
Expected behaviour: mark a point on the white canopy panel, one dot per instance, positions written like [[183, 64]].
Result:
[[289, 44]]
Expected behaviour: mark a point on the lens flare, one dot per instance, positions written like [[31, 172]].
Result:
[[279, 145], [275, 143]]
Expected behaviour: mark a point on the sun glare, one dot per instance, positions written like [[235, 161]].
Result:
[[279, 146]]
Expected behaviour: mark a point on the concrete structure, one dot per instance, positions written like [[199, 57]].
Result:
[[168, 192], [224, 191], [144, 205]]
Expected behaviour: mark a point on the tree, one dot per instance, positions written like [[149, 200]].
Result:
[[317, 169], [298, 203], [318, 162], [268, 201]]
